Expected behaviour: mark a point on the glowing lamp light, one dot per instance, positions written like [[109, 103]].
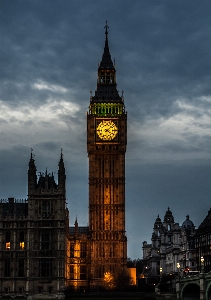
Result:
[[202, 264], [178, 265]]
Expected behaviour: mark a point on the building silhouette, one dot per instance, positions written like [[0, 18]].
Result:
[[203, 244], [32, 236], [39, 252], [172, 248]]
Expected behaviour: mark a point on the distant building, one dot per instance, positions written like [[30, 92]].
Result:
[[203, 244], [172, 249], [188, 261]]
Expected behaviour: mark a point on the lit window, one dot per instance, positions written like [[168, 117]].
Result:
[[21, 245], [21, 240], [7, 241]]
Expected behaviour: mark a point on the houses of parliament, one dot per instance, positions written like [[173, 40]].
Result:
[[39, 252]]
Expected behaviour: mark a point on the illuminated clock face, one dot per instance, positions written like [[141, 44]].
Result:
[[107, 130]]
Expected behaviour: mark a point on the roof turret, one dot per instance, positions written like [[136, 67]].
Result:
[[187, 224], [158, 223], [32, 166], [168, 216], [61, 162], [158, 220]]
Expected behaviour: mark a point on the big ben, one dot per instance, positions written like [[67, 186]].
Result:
[[106, 146]]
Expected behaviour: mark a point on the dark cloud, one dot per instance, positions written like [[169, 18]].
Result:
[[49, 56]]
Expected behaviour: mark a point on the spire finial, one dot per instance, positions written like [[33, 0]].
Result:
[[106, 32], [61, 153], [76, 225]]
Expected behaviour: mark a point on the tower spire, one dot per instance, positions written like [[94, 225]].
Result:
[[106, 62], [32, 177], [61, 172], [106, 84], [106, 32]]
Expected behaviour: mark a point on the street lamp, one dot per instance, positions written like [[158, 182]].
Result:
[[178, 267], [202, 264], [161, 270]]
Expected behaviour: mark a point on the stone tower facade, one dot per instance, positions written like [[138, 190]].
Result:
[[46, 233], [106, 147], [33, 237]]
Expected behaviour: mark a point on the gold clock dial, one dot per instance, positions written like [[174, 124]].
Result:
[[107, 130]]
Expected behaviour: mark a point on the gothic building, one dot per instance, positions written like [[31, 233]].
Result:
[[32, 236], [39, 252]]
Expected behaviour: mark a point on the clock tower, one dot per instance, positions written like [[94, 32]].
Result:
[[106, 146]]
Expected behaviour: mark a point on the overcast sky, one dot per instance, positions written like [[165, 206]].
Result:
[[49, 56]]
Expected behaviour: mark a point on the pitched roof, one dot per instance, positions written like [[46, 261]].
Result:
[[205, 226]]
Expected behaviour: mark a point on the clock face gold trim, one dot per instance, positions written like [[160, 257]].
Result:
[[107, 130]]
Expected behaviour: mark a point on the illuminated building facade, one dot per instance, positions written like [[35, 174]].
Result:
[[101, 248], [77, 272], [106, 146]]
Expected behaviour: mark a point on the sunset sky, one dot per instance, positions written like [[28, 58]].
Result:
[[49, 57]]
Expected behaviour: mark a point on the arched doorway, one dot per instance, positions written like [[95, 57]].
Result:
[[191, 292]]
